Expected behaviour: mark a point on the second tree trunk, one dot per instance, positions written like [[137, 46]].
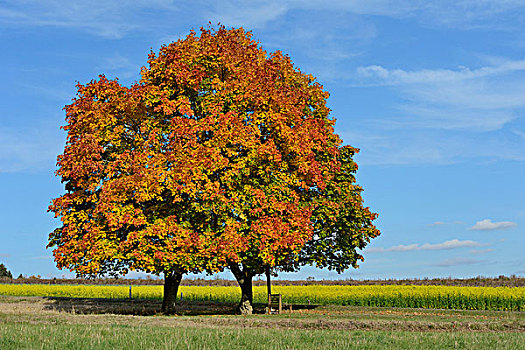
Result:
[[171, 287]]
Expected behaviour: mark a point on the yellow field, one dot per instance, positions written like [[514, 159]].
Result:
[[442, 297]]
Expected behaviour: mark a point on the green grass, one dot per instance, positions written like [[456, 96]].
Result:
[[86, 336], [50, 323]]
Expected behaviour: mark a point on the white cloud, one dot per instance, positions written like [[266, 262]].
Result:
[[488, 225], [458, 261], [399, 76], [452, 244], [437, 223]]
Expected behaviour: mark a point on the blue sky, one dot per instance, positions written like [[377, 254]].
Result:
[[433, 93]]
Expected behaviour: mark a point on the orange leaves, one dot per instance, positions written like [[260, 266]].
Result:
[[164, 245], [280, 236], [222, 153]]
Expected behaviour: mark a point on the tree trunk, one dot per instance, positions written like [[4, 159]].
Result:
[[244, 278], [268, 289], [171, 287], [268, 281]]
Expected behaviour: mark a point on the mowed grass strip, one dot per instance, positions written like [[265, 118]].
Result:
[[193, 313], [438, 297]]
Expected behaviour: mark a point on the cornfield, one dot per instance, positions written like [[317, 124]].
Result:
[[438, 297]]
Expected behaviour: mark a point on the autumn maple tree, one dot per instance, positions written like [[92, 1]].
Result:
[[221, 156]]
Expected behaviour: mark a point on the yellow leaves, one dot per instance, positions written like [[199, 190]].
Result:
[[215, 152], [184, 106]]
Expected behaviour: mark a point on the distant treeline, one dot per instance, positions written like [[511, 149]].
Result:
[[501, 281]]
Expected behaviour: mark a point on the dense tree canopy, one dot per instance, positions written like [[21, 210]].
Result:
[[222, 156]]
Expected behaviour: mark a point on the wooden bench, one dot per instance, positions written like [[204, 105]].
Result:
[[275, 304]]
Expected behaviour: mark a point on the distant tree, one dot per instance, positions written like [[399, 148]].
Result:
[[4, 272]]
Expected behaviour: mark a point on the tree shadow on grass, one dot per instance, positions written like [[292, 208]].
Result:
[[142, 307], [148, 307]]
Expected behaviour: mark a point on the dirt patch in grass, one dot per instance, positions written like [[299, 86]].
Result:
[[218, 315]]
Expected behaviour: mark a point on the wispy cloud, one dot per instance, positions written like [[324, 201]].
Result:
[[252, 14], [322, 41], [458, 261], [109, 18], [488, 225], [409, 146], [437, 223], [466, 14], [259, 13], [388, 8], [458, 114], [116, 18], [385, 76], [452, 244], [351, 18], [441, 223], [481, 251], [480, 99], [519, 133], [32, 150], [384, 147], [3, 255], [119, 66]]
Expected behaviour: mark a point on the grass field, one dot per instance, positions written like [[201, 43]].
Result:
[[102, 317], [86, 323]]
